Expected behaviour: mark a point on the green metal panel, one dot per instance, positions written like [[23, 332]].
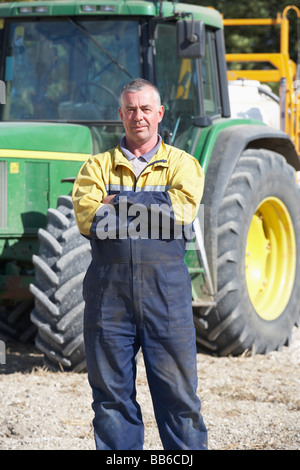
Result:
[[111, 7], [70, 138], [209, 135], [36, 196], [16, 185], [58, 171], [32, 187]]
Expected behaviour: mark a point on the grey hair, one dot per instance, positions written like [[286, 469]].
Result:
[[139, 84]]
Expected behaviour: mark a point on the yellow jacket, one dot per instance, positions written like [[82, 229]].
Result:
[[171, 172]]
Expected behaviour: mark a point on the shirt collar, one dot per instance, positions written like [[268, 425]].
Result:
[[146, 157]]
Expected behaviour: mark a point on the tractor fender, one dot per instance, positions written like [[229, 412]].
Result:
[[229, 145]]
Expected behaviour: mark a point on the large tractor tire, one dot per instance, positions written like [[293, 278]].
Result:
[[60, 268], [258, 265]]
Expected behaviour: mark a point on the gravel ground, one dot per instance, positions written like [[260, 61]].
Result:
[[247, 402]]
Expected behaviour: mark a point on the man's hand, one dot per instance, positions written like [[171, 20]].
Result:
[[108, 199]]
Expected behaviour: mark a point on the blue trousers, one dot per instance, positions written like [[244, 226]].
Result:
[[116, 327]]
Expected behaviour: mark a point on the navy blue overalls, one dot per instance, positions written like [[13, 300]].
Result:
[[138, 295]]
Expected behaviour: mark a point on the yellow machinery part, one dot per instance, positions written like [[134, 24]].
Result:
[[270, 260], [283, 71]]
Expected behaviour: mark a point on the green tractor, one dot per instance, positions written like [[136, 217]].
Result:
[[63, 65]]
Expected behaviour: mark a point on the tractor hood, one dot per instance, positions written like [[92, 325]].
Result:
[[47, 137]]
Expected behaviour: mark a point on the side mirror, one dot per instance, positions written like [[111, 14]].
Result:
[[190, 39]]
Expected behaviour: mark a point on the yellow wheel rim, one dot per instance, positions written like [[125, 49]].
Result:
[[270, 262]]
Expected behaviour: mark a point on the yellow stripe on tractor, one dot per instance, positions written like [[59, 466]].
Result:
[[40, 155]]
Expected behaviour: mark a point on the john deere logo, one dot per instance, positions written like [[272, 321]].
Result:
[[2, 92]]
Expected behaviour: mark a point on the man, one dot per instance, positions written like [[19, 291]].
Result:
[[137, 289]]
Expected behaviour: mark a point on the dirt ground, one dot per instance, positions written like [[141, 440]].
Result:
[[247, 402]]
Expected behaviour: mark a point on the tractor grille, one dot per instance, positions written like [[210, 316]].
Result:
[[3, 194]]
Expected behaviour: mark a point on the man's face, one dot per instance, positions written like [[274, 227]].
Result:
[[141, 115]]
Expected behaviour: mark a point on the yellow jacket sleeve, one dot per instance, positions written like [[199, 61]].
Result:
[[88, 192], [187, 184]]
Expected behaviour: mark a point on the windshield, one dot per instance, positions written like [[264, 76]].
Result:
[[68, 69]]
